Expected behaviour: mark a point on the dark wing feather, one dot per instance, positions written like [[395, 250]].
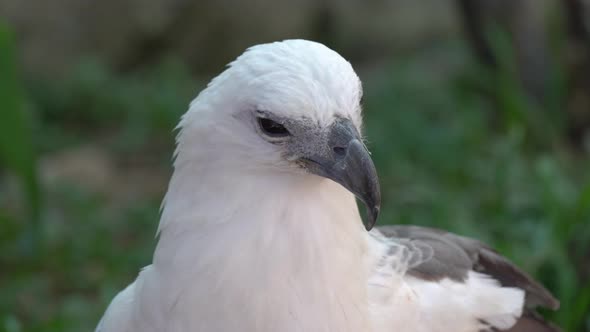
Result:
[[530, 321], [454, 256]]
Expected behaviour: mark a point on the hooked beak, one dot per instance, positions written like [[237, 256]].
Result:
[[349, 163]]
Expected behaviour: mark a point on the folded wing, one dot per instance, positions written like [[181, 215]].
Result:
[[455, 258]]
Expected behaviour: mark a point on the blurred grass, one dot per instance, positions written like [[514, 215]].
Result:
[[446, 159], [17, 152]]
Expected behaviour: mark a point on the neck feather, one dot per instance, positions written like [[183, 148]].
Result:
[[262, 252]]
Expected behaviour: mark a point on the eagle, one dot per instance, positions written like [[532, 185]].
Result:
[[260, 228]]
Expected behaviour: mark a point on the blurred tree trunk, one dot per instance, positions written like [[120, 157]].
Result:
[[578, 58], [523, 21]]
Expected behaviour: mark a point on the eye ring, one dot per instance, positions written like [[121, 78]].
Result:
[[272, 128]]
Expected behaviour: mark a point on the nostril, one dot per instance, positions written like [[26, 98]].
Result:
[[340, 151]]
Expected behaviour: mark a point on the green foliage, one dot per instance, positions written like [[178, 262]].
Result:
[[17, 152], [66, 286], [132, 108], [440, 160]]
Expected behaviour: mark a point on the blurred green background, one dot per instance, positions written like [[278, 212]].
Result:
[[477, 114]]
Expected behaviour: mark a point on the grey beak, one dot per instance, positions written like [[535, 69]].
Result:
[[349, 163]]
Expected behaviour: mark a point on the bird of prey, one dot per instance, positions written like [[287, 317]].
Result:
[[260, 230]]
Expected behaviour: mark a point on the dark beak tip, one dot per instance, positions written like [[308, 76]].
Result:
[[373, 214]]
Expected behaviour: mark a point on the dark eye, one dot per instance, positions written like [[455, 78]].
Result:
[[272, 128]]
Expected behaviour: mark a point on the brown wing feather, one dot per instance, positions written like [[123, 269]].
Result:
[[454, 256], [532, 322], [508, 274]]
